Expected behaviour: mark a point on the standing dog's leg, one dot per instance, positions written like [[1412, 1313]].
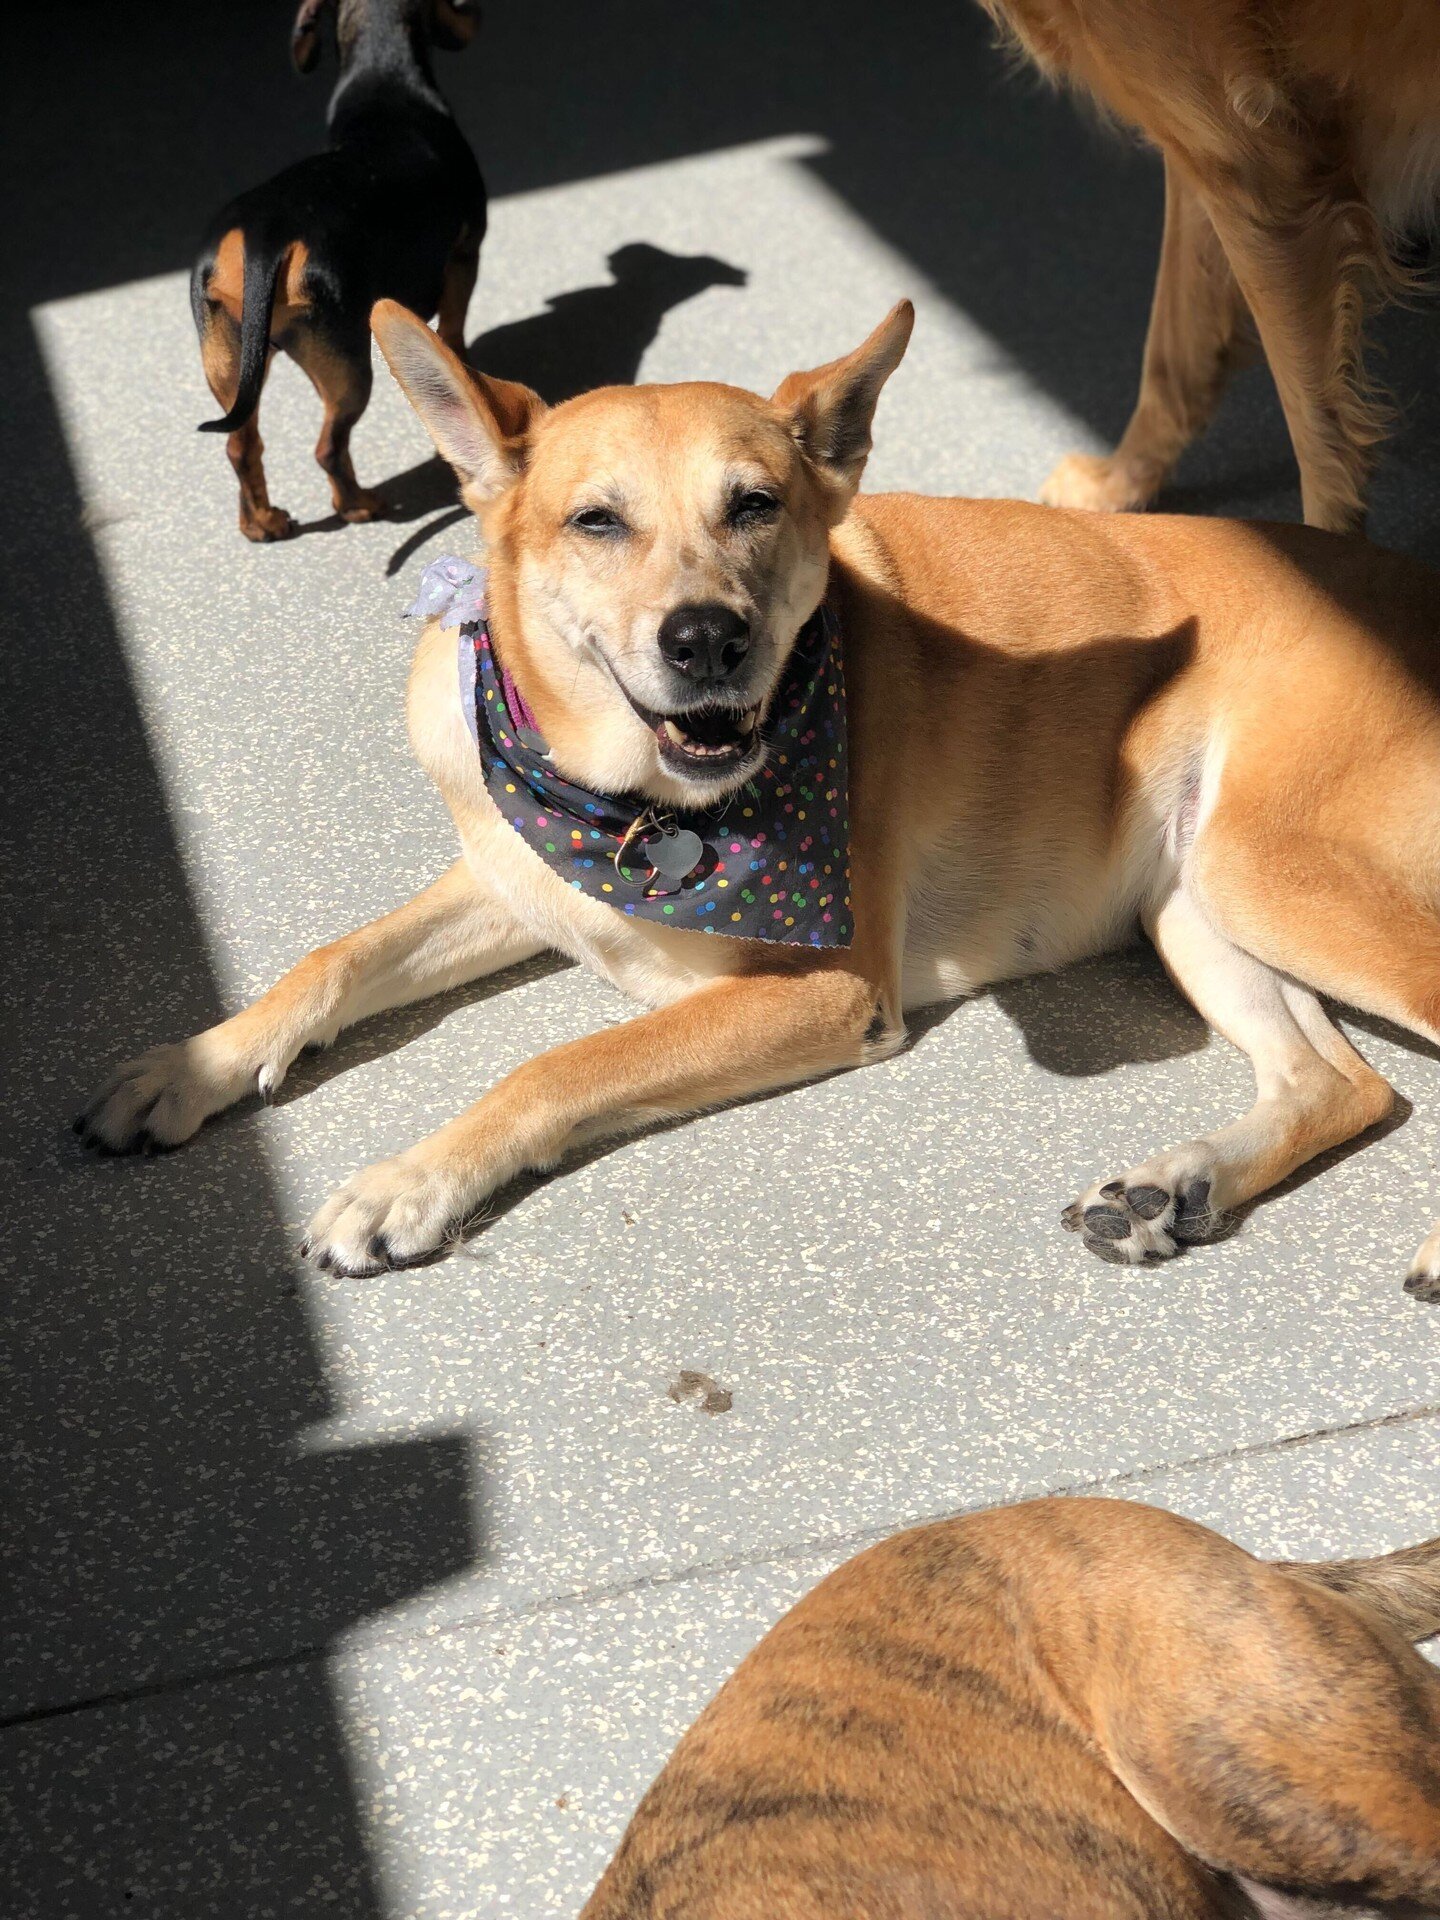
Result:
[[460, 272], [220, 356], [1199, 328], [258, 519], [1307, 276], [452, 932], [726, 1041], [343, 379], [1313, 1091]]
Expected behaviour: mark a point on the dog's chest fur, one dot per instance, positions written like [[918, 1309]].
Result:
[[652, 965], [992, 894]]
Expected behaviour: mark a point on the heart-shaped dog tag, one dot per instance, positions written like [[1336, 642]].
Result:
[[675, 855]]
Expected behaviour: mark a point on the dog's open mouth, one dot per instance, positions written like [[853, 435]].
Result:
[[710, 741]]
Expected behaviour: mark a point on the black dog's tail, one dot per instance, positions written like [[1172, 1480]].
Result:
[[262, 271]]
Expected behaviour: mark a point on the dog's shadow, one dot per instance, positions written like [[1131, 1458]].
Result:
[[1118, 1009], [589, 337]]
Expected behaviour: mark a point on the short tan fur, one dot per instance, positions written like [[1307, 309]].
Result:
[[1062, 728]]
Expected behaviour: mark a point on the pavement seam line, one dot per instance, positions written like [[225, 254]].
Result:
[[704, 1569]]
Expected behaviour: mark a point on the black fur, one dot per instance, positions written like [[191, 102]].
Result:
[[379, 210]]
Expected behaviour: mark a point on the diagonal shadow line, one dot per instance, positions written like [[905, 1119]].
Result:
[[162, 1519]]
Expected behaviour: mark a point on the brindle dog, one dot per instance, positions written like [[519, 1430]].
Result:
[[1069, 1710]]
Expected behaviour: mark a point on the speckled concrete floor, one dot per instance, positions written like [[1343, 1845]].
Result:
[[387, 1598]]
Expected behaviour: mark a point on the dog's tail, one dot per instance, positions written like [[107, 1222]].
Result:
[[1402, 1588], [262, 272]]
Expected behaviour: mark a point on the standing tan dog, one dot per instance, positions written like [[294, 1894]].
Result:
[[1301, 140], [1069, 1710], [1059, 727]]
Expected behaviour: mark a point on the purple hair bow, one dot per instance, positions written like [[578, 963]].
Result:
[[452, 591]]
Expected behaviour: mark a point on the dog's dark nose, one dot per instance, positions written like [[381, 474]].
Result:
[[704, 643]]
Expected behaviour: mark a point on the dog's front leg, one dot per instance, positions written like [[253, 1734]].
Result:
[[454, 931], [733, 1038]]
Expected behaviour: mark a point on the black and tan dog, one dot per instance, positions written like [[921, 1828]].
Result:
[[1069, 1710], [394, 207]]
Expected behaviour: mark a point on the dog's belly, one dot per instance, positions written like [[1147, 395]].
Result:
[[966, 927]]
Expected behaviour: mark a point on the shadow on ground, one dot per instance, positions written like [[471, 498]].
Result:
[[175, 1562], [585, 338]]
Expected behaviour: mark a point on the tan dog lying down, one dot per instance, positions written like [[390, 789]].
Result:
[[1070, 1710], [1059, 727]]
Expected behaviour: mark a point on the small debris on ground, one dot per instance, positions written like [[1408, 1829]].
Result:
[[700, 1387]]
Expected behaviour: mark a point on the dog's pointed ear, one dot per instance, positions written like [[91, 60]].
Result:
[[305, 35], [477, 423], [453, 23], [830, 409]]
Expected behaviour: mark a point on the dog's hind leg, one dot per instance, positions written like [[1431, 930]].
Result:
[[220, 356], [259, 521], [452, 932], [1312, 1091], [461, 270], [1199, 329], [1309, 261], [1279, 1732], [1341, 920], [342, 378]]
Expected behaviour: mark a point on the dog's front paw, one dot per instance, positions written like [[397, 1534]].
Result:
[[158, 1100], [1145, 1217], [1101, 484], [397, 1213]]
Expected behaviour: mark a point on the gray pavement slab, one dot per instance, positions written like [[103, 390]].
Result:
[[493, 1767], [273, 1527]]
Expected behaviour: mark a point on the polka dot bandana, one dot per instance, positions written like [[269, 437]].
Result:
[[768, 862]]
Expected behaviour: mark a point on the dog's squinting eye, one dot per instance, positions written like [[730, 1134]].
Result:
[[598, 520], [749, 509]]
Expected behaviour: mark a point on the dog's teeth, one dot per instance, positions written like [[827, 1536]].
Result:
[[749, 717], [674, 733]]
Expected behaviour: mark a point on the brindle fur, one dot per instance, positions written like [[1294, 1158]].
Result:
[[1068, 1710]]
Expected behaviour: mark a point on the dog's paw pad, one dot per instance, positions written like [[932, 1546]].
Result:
[[1107, 1223], [1144, 1218], [1148, 1202]]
